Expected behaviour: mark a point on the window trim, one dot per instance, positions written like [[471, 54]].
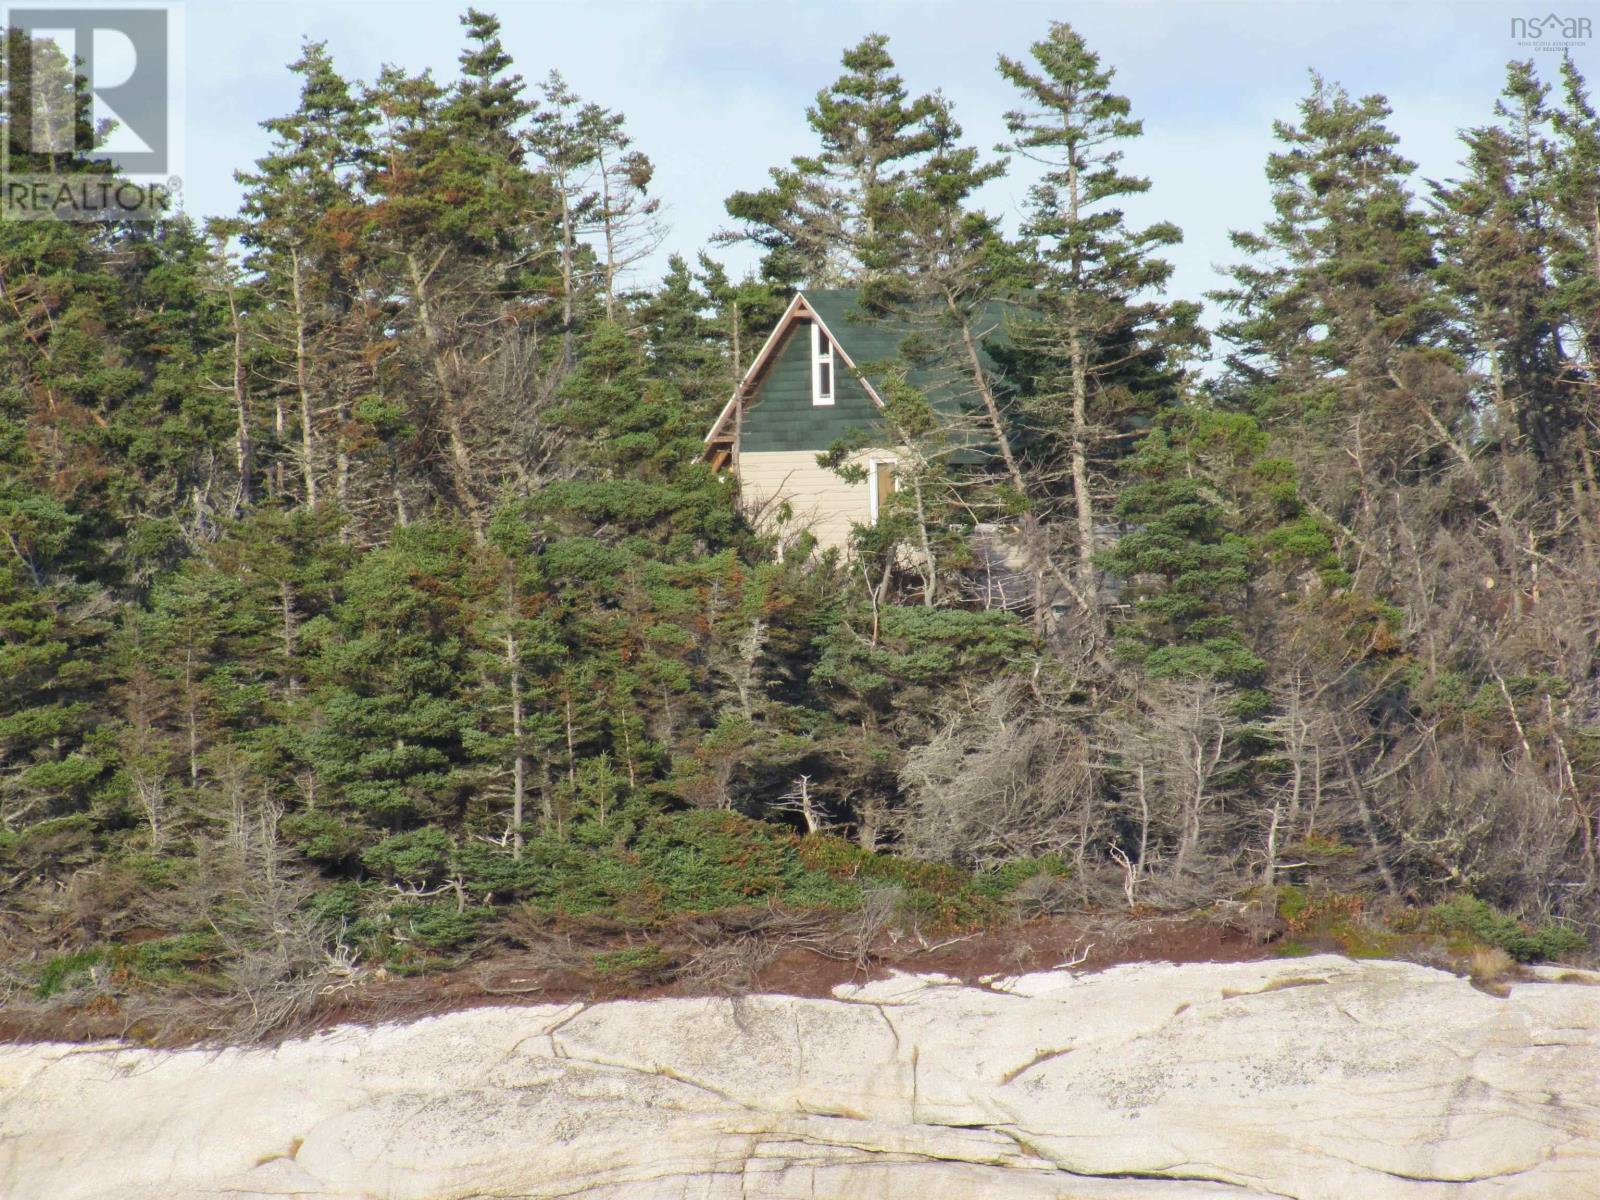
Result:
[[820, 342]]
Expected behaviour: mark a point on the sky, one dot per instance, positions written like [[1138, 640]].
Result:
[[716, 92]]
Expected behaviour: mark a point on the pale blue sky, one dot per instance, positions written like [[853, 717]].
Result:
[[715, 92]]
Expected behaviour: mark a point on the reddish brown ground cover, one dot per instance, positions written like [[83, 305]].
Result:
[[571, 963]]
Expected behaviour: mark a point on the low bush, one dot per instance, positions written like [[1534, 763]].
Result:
[[65, 972], [633, 966], [1487, 924]]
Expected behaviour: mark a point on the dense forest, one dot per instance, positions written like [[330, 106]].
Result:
[[364, 595]]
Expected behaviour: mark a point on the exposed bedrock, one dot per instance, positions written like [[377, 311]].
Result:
[[1316, 1078]]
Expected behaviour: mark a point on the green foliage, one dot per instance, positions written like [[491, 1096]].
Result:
[[323, 836], [170, 959], [646, 868], [61, 841], [837, 205], [187, 959], [386, 554], [64, 972], [1293, 904], [1189, 568], [998, 882], [439, 926], [632, 967], [419, 857], [1474, 917], [680, 862], [918, 648]]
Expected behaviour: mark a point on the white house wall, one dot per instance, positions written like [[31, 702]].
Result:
[[818, 499]]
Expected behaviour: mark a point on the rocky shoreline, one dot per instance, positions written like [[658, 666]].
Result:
[[1320, 1078]]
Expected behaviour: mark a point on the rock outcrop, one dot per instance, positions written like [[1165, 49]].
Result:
[[1312, 1078]]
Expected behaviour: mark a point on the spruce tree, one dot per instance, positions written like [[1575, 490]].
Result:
[[1103, 354], [825, 220], [1336, 314], [625, 213], [955, 265], [392, 734], [1499, 237], [561, 137], [455, 213], [1576, 197], [310, 174]]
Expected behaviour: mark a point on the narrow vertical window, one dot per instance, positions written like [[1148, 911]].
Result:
[[821, 366], [880, 485]]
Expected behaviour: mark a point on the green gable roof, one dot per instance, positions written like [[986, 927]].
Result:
[[778, 412], [780, 415], [871, 340]]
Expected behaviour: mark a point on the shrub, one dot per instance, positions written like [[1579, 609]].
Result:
[[322, 837], [1487, 924], [57, 842], [633, 966], [420, 857], [64, 972], [1000, 882], [440, 926]]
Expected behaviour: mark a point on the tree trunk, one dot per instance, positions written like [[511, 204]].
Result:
[[567, 238], [1082, 497], [929, 569], [991, 405], [302, 384], [519, 761], [608, 226], [341, 460], [289, 633], [244, 447], [445, 375], [192, 716]]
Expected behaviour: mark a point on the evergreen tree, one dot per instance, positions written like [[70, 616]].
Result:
[[1575, 264], [561, 137], [826, 218], [310, 175], [1341, 286], [629, 226], [454, 211], [1498, 240], [1185, 560], [955, 268], [392, 735], [55, 760], [1101, 355]]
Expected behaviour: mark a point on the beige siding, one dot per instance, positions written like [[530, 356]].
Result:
[[819, 500]]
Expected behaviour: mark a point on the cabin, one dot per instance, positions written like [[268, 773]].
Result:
[[802, 394]]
